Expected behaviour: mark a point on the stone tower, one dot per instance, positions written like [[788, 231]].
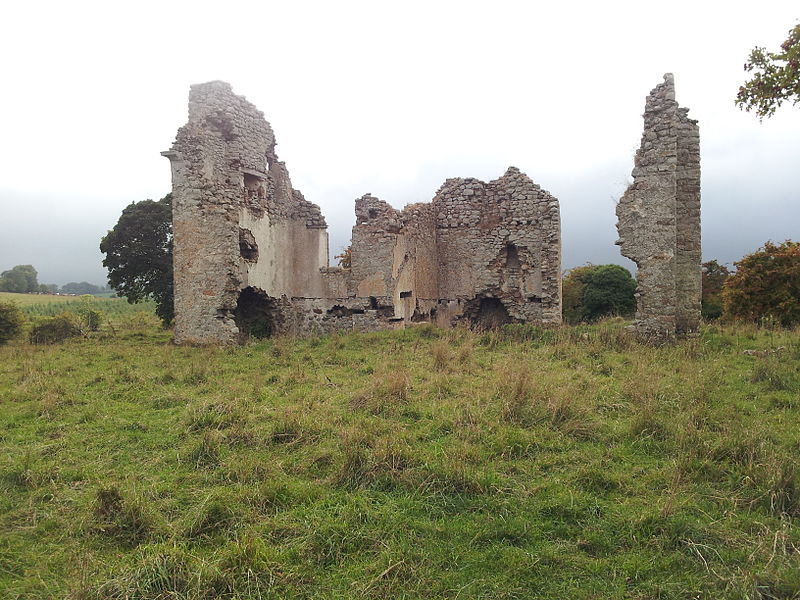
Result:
[[659, 219], [244, 240]]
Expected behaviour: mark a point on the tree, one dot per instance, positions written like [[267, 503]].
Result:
[[766, 285], [139, 254], [609, 291], [84, 287], [776, 77], [714, 276], [594, 291], [21, 279], [48, 288]]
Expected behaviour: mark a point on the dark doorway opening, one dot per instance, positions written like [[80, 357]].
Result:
[[512, 258], [256, 314], [489, 314]]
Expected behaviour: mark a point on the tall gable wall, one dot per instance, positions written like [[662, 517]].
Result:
[[659, 219]]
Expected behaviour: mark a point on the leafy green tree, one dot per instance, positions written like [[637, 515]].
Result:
[[48, 288], [766, 285], [776, 77], [21, 279], [84, 287], [609, 291], [591, 292], [11, 321], [139, 254], [714, 276]]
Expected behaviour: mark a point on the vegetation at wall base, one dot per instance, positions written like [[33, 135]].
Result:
[[523, 463]]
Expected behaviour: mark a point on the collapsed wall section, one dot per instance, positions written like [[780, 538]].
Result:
[[659, 219]]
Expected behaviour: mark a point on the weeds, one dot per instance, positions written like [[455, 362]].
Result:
[[775, 374], [440, 352], [389, 390]]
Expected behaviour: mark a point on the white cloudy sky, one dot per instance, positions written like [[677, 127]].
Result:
[[388, 98]]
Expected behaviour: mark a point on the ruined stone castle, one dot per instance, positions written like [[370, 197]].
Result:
[[251, 253], [659, 219]]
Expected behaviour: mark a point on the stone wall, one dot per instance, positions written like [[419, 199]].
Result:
[[251, 254], [659, 219], [238, 224], [485, 252]]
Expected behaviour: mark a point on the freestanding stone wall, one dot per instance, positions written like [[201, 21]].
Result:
[[659, 219], [251, 254]]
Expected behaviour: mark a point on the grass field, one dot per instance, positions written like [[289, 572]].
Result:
[[46, 305], [423, 463]]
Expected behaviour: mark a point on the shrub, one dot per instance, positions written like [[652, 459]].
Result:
[[92, 319], [714, 276], [594, 291], [766, 285], [11, 321], [52, 330]]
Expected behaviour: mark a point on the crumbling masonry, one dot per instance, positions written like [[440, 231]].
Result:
[[251, 254], [659, 219]]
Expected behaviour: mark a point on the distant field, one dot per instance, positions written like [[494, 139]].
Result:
[[569, 463], [31, 299], [41, 305]]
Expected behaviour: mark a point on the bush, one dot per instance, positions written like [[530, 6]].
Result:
[[11, 321], [714, 276], [595, 291], [766, 285], [92, 319], [53, 330]]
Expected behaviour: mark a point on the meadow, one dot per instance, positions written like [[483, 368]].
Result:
[[423, 463], [48, 305]]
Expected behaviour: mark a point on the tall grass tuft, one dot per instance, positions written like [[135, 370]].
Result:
[[440, 352], [122, 517], [388, 390]]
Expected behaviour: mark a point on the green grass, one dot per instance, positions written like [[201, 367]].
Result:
[[34, 299], [47, 305], [527, 463]]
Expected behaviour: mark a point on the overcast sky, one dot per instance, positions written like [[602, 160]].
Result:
[[387, 98]]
